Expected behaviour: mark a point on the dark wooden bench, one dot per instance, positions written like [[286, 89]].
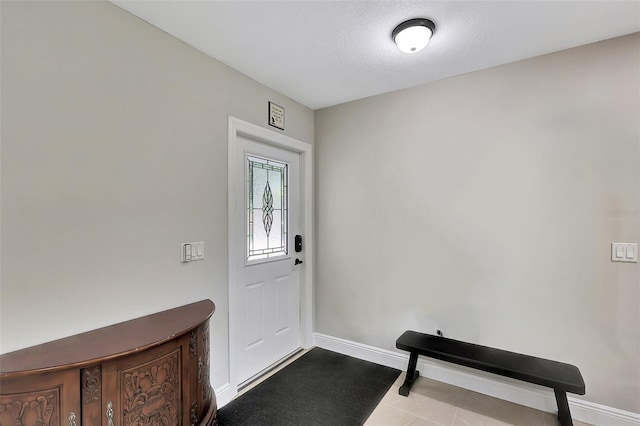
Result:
[[561, 377]]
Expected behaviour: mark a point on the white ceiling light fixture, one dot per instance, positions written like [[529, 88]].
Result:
[[413, 35]]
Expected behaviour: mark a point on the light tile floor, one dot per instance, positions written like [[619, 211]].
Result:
[[432, 403]]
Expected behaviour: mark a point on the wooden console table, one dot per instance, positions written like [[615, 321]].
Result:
[[152, 370]]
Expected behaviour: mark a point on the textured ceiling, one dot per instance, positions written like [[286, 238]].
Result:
[[322, 53]]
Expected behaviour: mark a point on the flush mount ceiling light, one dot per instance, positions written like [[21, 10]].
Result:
[[413, 35]]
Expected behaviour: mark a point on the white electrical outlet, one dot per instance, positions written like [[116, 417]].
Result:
[[624, 252], [191, 252]]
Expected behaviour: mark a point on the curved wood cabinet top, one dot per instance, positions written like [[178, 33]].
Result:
[[151, 370], [106, 343]]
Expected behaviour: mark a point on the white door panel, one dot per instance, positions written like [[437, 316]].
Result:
[[267, 285]]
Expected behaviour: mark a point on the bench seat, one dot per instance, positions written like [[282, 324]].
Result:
[[559, 376]]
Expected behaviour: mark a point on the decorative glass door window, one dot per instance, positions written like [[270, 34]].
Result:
[[267, 235]]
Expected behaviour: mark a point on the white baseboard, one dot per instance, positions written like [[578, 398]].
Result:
[[522, 393], [223, 395]]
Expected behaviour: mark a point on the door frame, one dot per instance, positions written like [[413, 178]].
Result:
[[240, 128]]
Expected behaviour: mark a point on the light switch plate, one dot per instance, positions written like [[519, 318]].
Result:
[[624, 252], [191, 251], [198, 252]]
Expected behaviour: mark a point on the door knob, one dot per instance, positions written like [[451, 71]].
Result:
[[297, 262]]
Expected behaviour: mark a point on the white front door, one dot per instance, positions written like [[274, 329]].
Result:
[[266, 185]]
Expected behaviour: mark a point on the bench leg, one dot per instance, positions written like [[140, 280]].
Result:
[[564, 415], [412, 375]]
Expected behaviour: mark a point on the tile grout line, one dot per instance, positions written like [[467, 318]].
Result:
[[413, 414], [455, 414], [382, 402]]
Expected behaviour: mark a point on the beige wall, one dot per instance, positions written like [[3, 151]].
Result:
[[478, 204], [114, 151], [482, 205]]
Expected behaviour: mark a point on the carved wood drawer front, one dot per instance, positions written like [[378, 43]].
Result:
[[205, 393], [91, 379], [146, 389], [202, 395], [53, 401]]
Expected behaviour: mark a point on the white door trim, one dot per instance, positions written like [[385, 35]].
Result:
[[240, 128]]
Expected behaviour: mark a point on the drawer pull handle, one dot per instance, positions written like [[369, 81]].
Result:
[[72, 419], [109, 413]]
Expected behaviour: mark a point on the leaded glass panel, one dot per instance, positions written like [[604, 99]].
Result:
[[266, 208]]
